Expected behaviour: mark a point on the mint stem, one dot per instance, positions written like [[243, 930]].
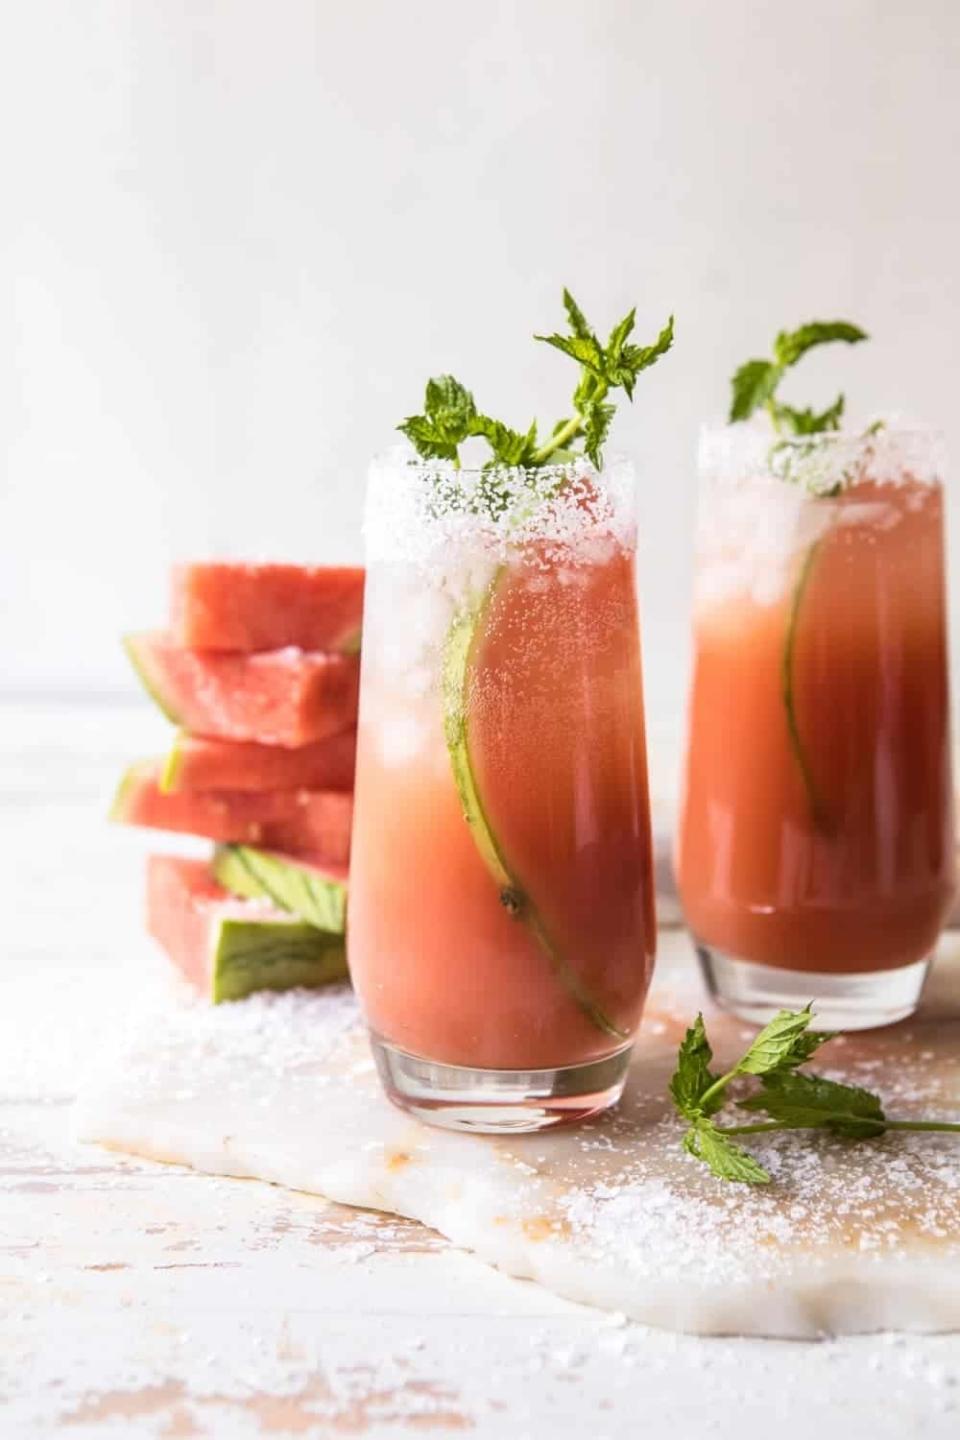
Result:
[[944, 1126], [941, 1125], [717, 1086], [560, 440], [760, 1128]]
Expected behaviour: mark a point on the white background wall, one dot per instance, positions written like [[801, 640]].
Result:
[[237, 235]]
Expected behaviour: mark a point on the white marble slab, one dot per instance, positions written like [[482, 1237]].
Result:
[[144, 1300], [614, 1213]]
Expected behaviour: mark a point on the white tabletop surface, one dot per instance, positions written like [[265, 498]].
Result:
[[142, 1300]]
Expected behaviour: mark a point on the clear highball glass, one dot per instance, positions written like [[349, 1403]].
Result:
[[501, 922], [816, 849]]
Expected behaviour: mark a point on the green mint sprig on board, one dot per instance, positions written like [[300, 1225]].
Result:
[[755, 384], [450, 415], [793, 1099]]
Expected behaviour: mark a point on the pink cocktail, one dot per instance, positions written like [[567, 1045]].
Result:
[[501, 927], [816, 849]]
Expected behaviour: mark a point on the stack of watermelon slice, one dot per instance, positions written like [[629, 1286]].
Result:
[[259, 669]]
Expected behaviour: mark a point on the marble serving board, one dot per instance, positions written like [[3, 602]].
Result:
[[847, 1238]]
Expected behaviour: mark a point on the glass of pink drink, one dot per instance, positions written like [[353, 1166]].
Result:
[[501, 906], [816, 847]]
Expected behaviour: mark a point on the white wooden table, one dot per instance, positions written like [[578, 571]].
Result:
[[140, 1300]]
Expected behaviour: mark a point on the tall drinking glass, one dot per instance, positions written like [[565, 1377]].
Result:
[[816, 845], [501, 915]]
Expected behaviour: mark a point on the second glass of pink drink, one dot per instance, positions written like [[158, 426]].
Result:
[[816, 848], [501, 913]]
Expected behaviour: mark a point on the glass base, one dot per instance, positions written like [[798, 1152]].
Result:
[[850, 1001], [499, 1102]]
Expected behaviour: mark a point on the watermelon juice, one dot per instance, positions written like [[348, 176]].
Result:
[[816, 846], [501, 907]]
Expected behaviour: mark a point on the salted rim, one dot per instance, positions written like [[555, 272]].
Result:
[[414, 505], [404, 458], [742, 451]]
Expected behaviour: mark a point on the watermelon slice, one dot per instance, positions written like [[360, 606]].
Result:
[[317, 829], [281, 697], [560, 820], [227, 947], [316, 893], [204, 763], [315, 822], [227, 606]]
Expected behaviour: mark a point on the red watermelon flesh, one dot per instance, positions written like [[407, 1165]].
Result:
[[227, 948], [181, 898], [318, 829], [281, 697], [204, 763], [302, 821], [223, 605]]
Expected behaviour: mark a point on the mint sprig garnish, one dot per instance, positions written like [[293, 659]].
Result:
[[792, 1098], [450, 415], [755, 384]]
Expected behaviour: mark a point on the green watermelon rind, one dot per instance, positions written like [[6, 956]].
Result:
[[136, 647], [302, 889], [271, 954], [349, 643], [131, 779], [459, 658], [172, 765]]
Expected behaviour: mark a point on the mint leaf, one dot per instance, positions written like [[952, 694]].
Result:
[[597, 418], [791, 345], [786, 1041], [427, 439], [635, 358], [753, 385], [578, 321], [616, 368], [618, 336], [809, 422], [582, 348], [805, 1045], [692, 1077], [449, 414], [727, 1160], [810, 1102], [449, 403], [508, 446]]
